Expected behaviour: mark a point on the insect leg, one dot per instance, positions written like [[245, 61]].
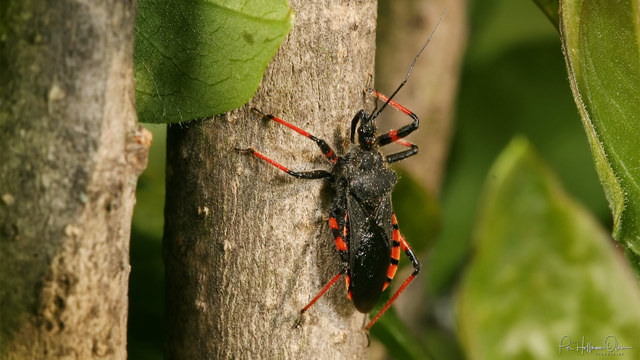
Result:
[[397, 238], [403, 154], [314, 174], [324, 290], [394, 135], [327, 151], [335, 223]]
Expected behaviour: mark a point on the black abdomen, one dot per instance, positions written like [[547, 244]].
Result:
[[369, 268]]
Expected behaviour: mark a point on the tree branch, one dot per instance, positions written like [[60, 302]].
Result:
[[69, 160], [247, 246]]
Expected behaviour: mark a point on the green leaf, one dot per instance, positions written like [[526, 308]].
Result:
[[194, 59], [602, 51], [550, 9], [520, 89], [543, 269]]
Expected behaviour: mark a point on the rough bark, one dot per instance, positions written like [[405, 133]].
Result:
[[246, 246], [70, 155]]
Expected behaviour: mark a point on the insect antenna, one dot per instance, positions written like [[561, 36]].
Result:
[[376, 113], [370, 86]]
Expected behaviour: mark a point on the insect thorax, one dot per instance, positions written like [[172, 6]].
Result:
[[367, 175]]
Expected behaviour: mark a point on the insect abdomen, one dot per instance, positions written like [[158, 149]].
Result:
[[369, 268]]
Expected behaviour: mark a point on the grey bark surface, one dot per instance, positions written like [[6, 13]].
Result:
[[70, 156], [247, 246]]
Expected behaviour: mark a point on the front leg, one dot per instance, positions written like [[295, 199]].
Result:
[[395, 135], [327, 151], [314, 174]]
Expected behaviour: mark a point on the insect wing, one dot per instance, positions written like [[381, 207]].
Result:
[[369, 251]]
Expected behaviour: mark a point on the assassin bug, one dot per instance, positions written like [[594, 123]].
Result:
[[362, 221]]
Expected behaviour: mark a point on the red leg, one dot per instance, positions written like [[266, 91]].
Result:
[[404, 143], [398, 240], [315, 174], [324, 290], [341, 238], [394, 135], [324, 147]]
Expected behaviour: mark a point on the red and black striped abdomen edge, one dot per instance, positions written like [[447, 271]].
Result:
[[341, 235], [395, 252]]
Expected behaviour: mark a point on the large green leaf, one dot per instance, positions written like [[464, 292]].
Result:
[[543, 269], [602, 50], [198, 58]]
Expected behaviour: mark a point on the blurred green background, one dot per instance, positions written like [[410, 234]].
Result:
[[514, 82]]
